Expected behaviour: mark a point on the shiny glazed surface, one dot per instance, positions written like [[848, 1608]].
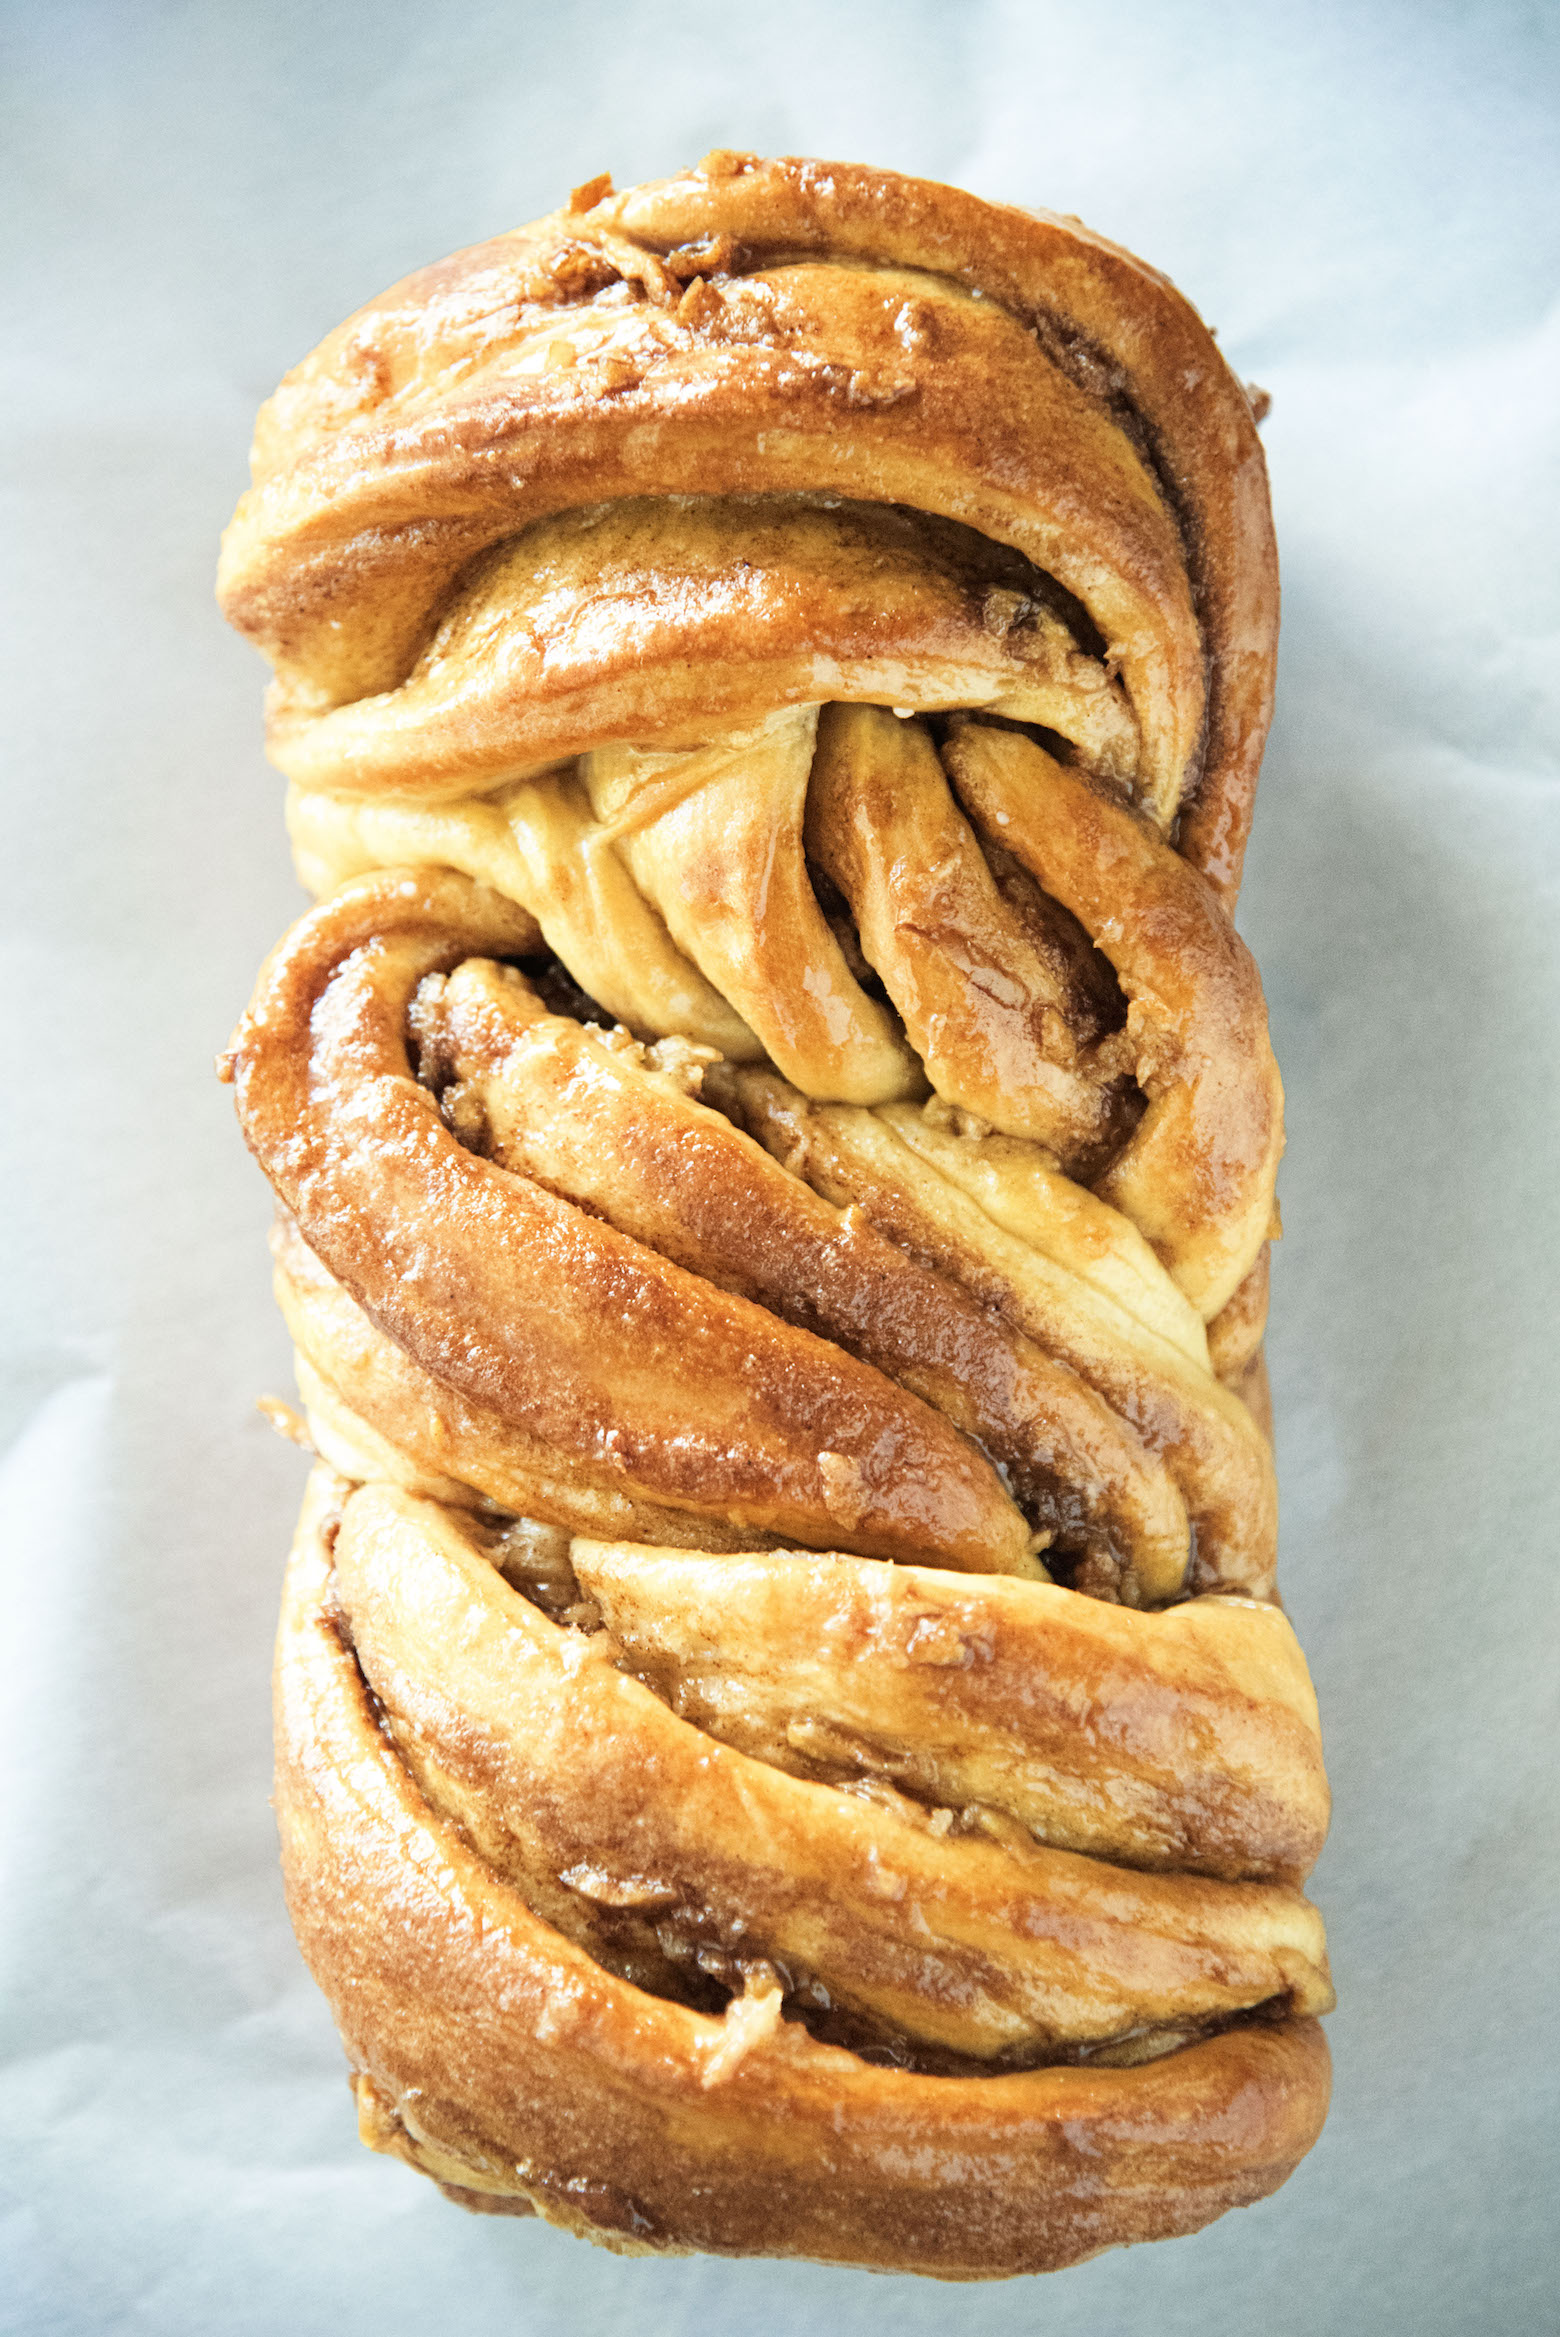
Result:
[[784, 1738]]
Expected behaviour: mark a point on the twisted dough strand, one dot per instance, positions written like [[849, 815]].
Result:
[[776, 1138]]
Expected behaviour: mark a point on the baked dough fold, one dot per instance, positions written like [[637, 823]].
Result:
[[785, 1738]]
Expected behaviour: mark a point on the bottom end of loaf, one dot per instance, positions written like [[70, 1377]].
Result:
[[475, 2187], [496, 2056], [1175, 2212]]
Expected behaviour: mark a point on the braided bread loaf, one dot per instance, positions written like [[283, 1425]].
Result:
[[785, 1740]]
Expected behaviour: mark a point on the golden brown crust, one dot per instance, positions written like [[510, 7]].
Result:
[[974, 1215], [620, 1360], [628, 1284], [775, 1136], [841, 332], [507, 2060], [991, 1947], [1197, 1174], [1122, 330], [1184, 1739]]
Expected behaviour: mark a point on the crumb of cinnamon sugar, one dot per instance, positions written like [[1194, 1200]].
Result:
[[285, 1420], [750, 2019], [594, 191]]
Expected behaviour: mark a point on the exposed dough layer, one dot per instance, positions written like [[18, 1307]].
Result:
[[1184, 1740]]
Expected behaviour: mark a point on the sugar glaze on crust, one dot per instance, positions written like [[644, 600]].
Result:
[[785, 1739]]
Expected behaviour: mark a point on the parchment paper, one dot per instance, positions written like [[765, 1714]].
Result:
[[1364, 200]]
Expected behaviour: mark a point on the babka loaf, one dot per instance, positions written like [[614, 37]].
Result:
[[786, 1739]]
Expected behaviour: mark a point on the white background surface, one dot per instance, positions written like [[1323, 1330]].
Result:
[[1364, 200]]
